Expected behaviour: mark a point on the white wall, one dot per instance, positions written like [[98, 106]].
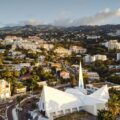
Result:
[[90, 109]]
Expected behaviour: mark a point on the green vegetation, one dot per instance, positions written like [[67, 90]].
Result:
[[113, 107], [105, 115], [114, 79]]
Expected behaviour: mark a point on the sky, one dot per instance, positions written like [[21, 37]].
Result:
[[59, 12]]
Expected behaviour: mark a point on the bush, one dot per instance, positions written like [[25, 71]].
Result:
[[105, 115]]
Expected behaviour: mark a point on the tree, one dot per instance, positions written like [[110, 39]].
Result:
[[23, 71], [35, 77], [1, 62], [85, 78], [114, 79], [114, 105], [105, 115], [16, 73], [13, 83], [73, 81], [7, 74]]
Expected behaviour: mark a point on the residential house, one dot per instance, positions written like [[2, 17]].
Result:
[[77, 49], [62, 52], [5, 91]]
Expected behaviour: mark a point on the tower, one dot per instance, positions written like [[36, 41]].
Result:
[[81, 83]]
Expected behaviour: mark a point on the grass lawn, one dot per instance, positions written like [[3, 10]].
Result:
[[77, 116]]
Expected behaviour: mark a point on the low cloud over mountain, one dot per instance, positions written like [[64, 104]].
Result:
[[103, 17], [100, 18]]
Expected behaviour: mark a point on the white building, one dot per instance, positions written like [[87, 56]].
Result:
[[100, 57], [112, 44], [78, 49], [93, 75], [93, 37], [55, 102], [28, 44], [62, 51], [118, 56], [5, 91], [116, 33], [9, 40], [89, 58]]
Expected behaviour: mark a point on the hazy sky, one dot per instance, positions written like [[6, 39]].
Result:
[[59, 12]]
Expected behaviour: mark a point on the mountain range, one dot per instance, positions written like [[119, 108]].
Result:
[[29, 29]]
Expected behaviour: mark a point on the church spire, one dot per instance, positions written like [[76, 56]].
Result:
[[81, 84]]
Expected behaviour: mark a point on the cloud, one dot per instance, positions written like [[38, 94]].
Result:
[[97, 19], [31, 22], [63, 22], [102, 17], [26, 22], [63, 19]]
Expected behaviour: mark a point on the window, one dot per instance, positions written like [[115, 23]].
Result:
[[67, 111], [43, 105], [74, 109]]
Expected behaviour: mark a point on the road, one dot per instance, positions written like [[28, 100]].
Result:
[[9, 112], [8, 109], [10, 106], [1, 118]]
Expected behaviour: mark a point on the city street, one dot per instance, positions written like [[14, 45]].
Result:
[[9, 112], [1, 118]]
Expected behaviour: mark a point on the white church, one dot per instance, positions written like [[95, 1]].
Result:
[[55, 103]]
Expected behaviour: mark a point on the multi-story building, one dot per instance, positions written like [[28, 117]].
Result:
[[93, 75], [100, 57], [118, 56], [116, 33], [5, 91], [112, 44], [78, 49], [9, 40], [88, 58]]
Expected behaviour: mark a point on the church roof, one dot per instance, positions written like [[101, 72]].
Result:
[[101, 93], [56, 100]]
